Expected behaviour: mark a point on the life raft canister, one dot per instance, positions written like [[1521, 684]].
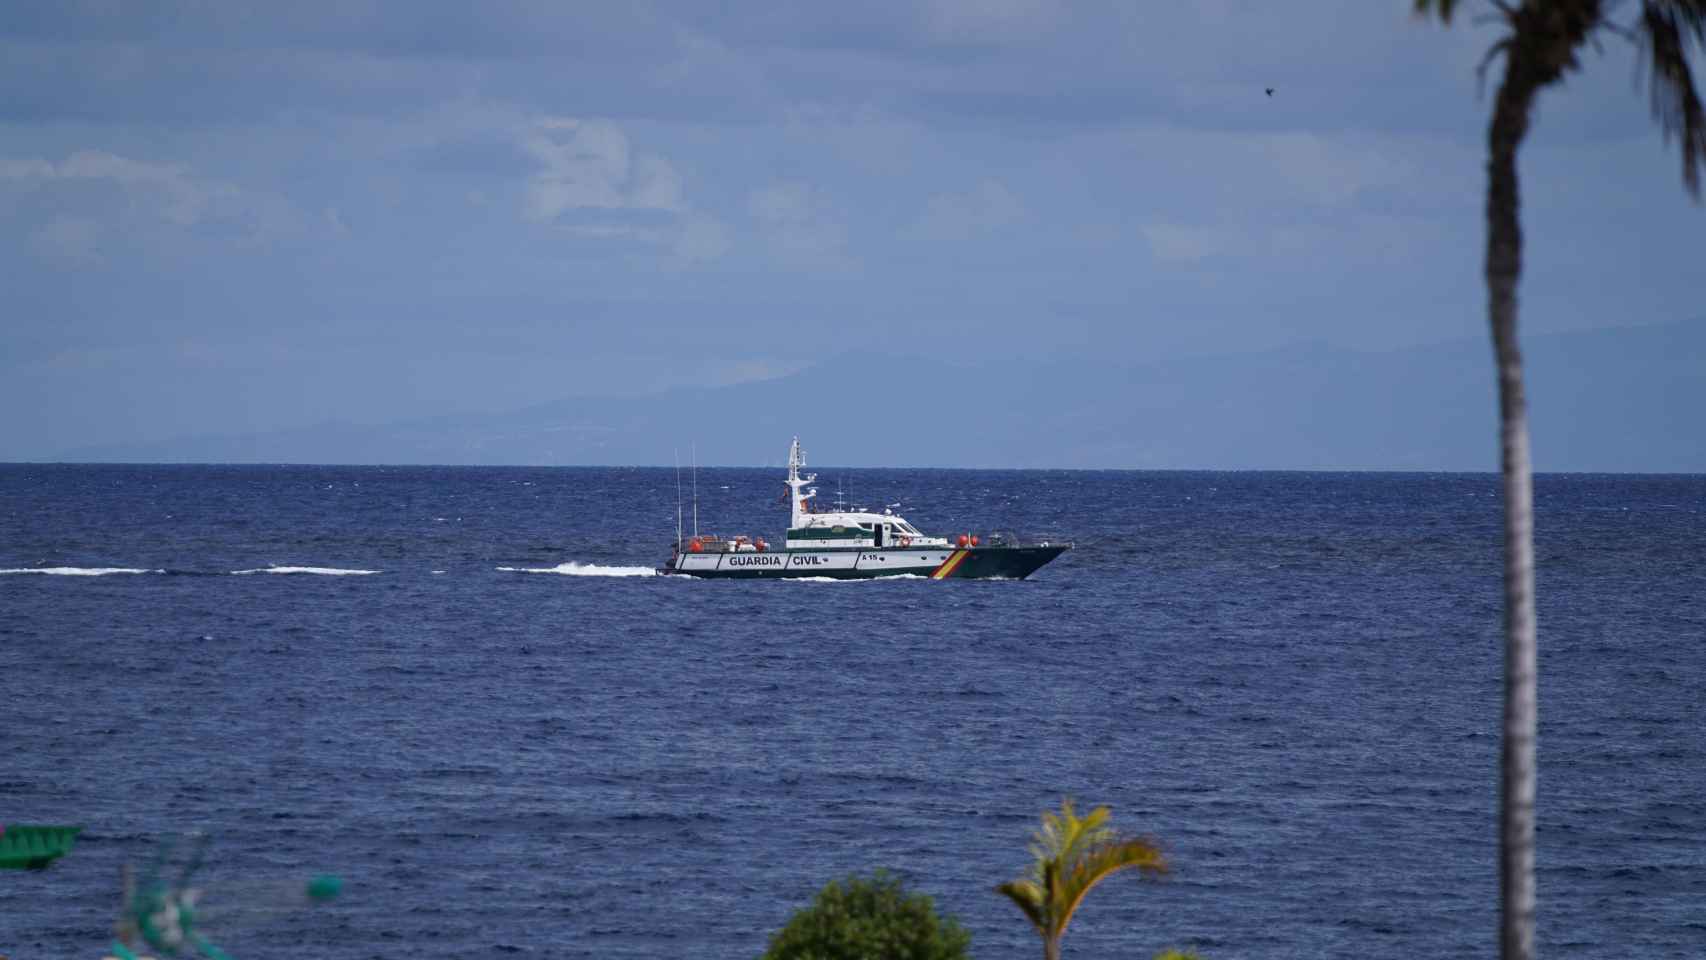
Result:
[[694, 545]]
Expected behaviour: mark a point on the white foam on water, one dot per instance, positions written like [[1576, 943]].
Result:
[[573, 569], [320, 571], [78, 571]]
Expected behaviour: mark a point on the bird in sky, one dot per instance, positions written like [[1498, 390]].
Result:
[[1270, 91]]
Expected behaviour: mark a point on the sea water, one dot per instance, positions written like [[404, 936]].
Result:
[[464, 691]]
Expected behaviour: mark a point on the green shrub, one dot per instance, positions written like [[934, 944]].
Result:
[[869, 919]]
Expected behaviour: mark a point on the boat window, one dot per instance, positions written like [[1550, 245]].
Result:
[[865, 525]]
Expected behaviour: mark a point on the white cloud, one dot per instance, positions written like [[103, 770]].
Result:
[[124, 203], [172, 191], [588, 164], [694, 240], [656, 185]]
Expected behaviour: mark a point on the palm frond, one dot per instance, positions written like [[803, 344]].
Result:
[[1670, 28], [1064, 835], [1504, 47], [1443, 7], [1082, 834], [1505, 14], [1028, 897], [1099, 864]]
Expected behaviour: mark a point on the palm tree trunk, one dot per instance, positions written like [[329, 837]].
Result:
[[1051, 948], [1504, 269]]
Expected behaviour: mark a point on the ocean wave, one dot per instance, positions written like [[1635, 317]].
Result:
[[321, 571], [573, 569], [78, 571]]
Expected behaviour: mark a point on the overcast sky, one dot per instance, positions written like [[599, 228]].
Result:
[[223, 216]]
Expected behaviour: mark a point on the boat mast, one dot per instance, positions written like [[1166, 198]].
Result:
[[677, 453], [799, 489], [695, 449]]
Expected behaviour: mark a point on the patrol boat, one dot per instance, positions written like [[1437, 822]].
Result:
[[854, 545]]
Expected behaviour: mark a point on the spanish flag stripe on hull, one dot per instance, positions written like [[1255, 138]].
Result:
[[947, 568]]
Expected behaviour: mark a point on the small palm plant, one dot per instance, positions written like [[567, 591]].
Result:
[[1072, 855]]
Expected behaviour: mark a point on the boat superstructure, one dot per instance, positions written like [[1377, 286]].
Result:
[[854, 544]]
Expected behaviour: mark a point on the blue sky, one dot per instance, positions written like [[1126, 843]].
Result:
[[229, 217]]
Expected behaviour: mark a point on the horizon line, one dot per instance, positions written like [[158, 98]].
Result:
[[646, 466]]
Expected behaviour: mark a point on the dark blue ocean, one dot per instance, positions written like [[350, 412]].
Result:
[[1292, 679]]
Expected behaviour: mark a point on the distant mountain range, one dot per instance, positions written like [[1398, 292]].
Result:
[[1621, 400]]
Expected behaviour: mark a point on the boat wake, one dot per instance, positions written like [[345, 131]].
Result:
[[573, 569], [77, 571], [319, 571]]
